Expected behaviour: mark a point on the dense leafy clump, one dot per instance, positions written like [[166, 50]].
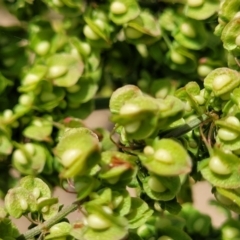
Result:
[[168, 73]]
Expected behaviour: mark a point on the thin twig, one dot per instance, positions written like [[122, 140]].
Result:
[[47, 224]]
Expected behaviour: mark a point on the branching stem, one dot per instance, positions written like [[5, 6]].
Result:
[[47, 224]]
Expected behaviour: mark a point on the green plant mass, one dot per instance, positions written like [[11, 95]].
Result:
[[169, 74]]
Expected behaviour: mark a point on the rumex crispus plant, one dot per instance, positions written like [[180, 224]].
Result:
[[169, 73]]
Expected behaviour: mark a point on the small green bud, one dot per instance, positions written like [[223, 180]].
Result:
[[42, 48], [36, 192], [25, 99], [23, 203], [204, 70], [217, 166], [7, 114], [148, 150], [118, 8], [97, 223]]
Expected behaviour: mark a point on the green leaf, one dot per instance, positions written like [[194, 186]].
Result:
[[8, 229], [139, 213]]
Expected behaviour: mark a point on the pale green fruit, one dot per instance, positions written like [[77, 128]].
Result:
[[177, 58], [30, 78], [89, 33], [156, 185], [221, 81], [132, 127], [195, 3], [23, 204], [188, 30], [148, 150], [98, 223], [36, 192], [19, 157], [132, 33], [226, 134], [42, 48], [233, 121], [56, 71], [129, 109], [118, 8], [163, 156], [217, 166], [70, 156], [204, 70]]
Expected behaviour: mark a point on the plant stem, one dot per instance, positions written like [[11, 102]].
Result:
[[47, 224]]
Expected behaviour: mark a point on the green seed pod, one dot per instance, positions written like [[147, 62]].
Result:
[[42, 48], [195, 3], [132, 33], [89, 33], [156, 185], [227, 135], [217, 166], [98, 223], [187, 30], [118, 8]]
